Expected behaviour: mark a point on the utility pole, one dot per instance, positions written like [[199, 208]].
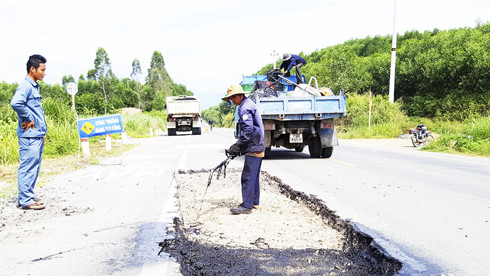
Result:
[[274, 55], [393, 60]]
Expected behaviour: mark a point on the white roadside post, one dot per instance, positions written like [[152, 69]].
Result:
[[151, 131], [108, 145], [124, 137], [85, 147]]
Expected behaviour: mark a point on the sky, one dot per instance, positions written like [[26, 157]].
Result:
[[207, 45]]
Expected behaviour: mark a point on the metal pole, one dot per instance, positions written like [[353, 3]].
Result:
[[274, 55], [393, 60]]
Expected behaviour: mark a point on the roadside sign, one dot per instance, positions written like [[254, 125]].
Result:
[[72, 88], [99, 126]]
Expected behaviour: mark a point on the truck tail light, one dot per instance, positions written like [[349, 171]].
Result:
[[269, 126], [327, 125], [171, 119]]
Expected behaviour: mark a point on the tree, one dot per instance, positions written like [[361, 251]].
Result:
[[102, 70], [135, 76], [66, 80], [158, 77]]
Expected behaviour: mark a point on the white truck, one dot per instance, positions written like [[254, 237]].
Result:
[[183, 114]]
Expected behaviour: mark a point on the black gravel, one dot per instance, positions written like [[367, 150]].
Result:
[[358, 256]]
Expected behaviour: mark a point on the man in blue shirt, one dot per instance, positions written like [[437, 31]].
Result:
[[251, 143], [31, 131], [288, 62]]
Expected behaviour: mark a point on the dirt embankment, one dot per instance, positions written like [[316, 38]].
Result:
[[290, 234]]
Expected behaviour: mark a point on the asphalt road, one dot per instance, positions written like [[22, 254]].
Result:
[[429, 210]]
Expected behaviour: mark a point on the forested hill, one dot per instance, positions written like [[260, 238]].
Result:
[[438, 73]]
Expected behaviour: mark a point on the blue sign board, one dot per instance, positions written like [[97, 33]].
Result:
[[99, 126]]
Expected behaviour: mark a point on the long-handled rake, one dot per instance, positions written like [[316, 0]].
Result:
[[220, 168]]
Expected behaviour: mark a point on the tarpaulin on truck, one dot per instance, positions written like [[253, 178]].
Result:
[[248, 81]]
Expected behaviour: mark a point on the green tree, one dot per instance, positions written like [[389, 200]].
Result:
[[179, 89], [158, 77], [66, 80], [103, 71], [135, 73]]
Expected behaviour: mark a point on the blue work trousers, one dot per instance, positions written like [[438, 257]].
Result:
[[250, 181], [31, 152]]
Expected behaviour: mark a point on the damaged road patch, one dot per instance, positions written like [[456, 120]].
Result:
[[291, 233]]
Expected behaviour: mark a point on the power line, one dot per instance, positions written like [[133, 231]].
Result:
[[324, 10]]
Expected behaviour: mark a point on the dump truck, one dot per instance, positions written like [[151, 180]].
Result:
[[295, 116], [183, 114]]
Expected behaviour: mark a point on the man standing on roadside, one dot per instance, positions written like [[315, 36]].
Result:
[[31, 131], [251, 143], [211, 123]]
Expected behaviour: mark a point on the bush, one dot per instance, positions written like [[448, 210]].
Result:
[[138, 125], [387, 120], [473, 137], [62, 138], [9, 147]]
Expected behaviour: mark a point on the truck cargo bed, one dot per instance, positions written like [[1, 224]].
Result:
[[301, 108]]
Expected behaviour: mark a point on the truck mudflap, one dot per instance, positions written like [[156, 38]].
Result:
[[328, 137]]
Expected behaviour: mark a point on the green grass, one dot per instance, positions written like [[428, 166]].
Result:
[[387, 120], [9, 147], [470, 137], [138, 125], [62, 138]]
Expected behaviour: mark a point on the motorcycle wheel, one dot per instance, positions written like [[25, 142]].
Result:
[[429, 138], [415, 142]]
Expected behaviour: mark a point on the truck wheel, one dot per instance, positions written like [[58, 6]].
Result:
[[171, 132], [267, 153], [299, 149], [327, 152], [196, 131], [315, 147]]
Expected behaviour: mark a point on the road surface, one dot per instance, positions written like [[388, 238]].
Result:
[[429, 210]]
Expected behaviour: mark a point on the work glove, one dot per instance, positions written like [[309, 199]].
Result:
[[234, 150]]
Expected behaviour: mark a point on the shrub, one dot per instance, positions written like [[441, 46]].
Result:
[[387, 120]]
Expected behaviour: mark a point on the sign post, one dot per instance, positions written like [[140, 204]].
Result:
[[72, 89]]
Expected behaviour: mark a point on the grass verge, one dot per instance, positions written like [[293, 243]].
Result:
[[54, 165]]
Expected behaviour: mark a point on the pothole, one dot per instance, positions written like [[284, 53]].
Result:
[[290, 234]]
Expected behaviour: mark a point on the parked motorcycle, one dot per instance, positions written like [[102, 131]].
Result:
[[421, 136]]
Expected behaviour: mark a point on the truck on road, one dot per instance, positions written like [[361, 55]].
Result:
[[183, 114], [295, 120]]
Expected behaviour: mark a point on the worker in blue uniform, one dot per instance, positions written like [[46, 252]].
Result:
[[288, 62], [251, 143], [31, 131]]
